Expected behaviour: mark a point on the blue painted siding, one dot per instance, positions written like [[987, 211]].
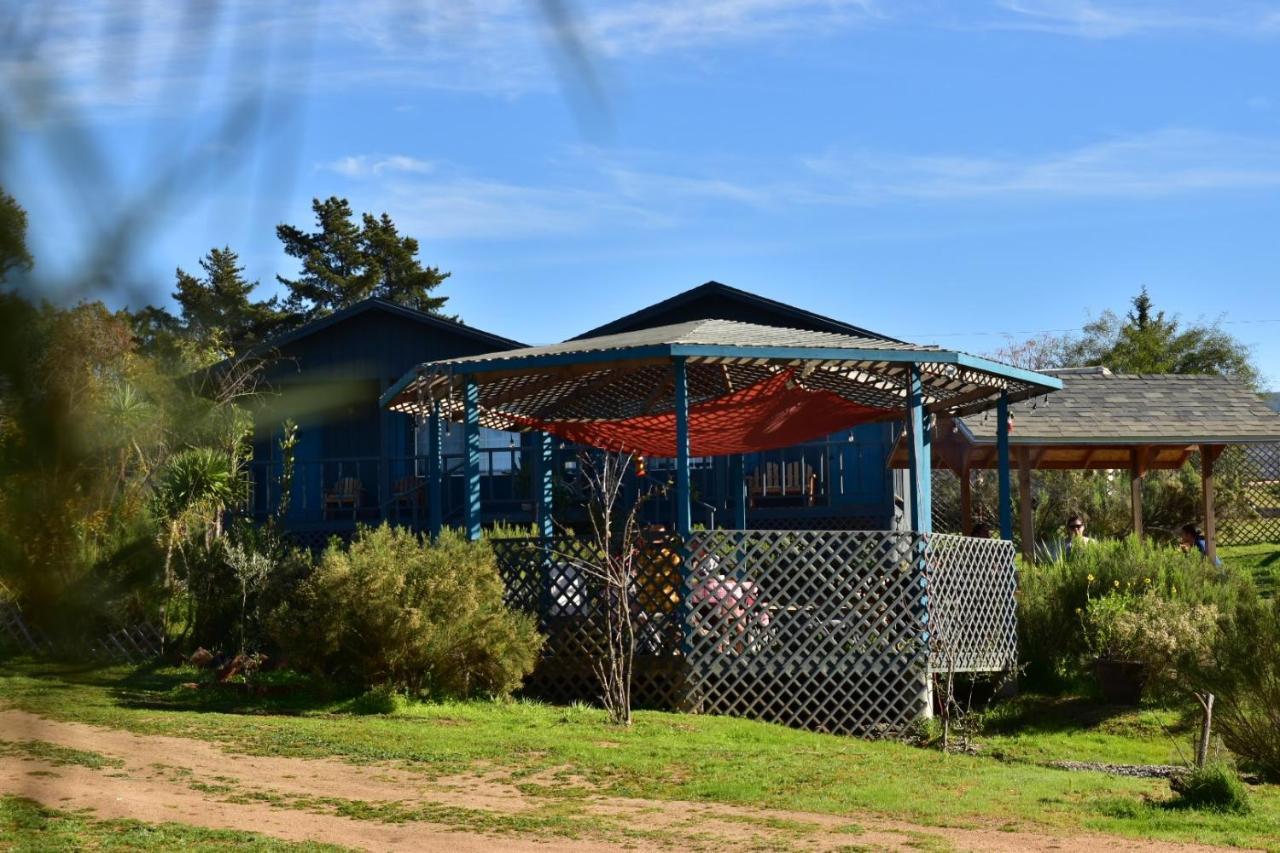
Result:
[[329, 382]]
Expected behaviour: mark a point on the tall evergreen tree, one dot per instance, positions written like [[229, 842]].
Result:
[[220, 305], [1149, 341], [402, 277], [13, 236], [343, 263]]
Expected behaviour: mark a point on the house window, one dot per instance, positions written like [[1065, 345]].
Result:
[[500, 451]]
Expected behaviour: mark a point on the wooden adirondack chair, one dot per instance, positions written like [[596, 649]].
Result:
[[792, 484], [344, 495]]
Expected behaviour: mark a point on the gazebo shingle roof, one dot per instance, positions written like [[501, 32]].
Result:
[[1096, 406], [610, 377], [729, 333]]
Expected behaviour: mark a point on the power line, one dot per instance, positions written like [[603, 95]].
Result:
[[1061, 331]]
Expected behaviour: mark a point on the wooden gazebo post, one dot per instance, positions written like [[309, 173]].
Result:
[[543, 483], [435, 473], [1026, 513], [1209, 454], [1002, 452], [471, 432], [684, 512], [1137, 470], [919, 458]]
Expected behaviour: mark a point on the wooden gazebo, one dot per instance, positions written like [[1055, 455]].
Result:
[[837, 630], [1106, 421]]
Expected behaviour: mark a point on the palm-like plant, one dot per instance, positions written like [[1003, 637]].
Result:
[[195, 489]]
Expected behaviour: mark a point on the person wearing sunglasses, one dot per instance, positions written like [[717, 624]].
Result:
[[1075, 533]]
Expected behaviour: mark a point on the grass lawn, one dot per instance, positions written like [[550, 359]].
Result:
[[1262, 561], [27, 826], [671, 756]]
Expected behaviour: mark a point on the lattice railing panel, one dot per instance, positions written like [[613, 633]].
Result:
[[825, 630], [822, 630], [1255, 471], [136, 644], [973, 619], [15, 632], [547, 578]]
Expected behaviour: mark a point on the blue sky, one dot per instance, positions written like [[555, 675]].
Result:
[[947, 172]]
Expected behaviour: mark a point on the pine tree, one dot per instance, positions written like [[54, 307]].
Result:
[[402, 277], [13, 236], [219, 307], [344, 263], [1146, 340]]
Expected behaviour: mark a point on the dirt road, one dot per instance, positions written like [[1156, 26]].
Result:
[[393, 808]]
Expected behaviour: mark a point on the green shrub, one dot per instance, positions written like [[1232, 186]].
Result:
[[1169, 635], [1054, 594], [1213, 787], [425, 618], [1244, 676]]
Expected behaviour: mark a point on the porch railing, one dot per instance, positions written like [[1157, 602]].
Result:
[[781, 484], [835, 631], [371, 488]]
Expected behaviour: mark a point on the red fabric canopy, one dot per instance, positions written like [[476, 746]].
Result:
[[773, 413]]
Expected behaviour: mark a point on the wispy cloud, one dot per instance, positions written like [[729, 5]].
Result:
[[364, 165], [134, 55], [660, 27], [1118, 18], [606, 191], [1159, 163]]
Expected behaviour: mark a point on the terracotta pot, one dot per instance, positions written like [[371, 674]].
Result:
[[1121, 681]]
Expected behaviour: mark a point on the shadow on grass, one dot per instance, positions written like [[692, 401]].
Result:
[[278, 693], [1030, 714], [162, 687]]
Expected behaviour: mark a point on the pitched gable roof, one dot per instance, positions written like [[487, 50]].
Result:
[[1096, 406], [366, 305], [711, 301]]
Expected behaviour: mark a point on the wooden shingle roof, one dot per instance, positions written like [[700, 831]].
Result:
[[1096, 406]]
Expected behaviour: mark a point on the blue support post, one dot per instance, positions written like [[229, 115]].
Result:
[[471, 432], [738, 491], [544, 469], [1002, 453], [435, 473], [919, 459], [684, 521]]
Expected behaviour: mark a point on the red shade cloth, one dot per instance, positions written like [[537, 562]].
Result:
[[763, 416]]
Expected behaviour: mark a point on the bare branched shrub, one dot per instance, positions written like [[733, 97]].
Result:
[[612, 559]]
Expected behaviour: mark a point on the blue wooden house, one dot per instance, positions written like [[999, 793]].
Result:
[[353, 461], [358, 463]]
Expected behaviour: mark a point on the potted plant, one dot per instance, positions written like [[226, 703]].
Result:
[[1117, 663]]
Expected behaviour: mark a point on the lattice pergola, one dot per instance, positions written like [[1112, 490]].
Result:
[[712, 387]]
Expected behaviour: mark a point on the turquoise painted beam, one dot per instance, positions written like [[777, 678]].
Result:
[[919, 463], [435, 474], [684, 521], [471, 433], [544, 468], [1003, 478]]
